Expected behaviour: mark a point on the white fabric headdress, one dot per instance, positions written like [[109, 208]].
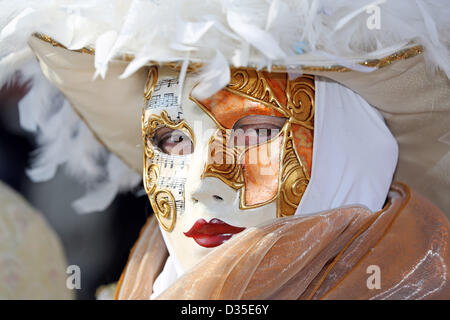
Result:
[[354, 153]]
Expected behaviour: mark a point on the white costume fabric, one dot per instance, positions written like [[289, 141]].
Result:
[[354, 159], [354, 153]]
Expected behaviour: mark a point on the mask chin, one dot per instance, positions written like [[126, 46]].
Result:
[[217, 217]]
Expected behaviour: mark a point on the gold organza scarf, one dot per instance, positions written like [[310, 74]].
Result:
[[322, 256]]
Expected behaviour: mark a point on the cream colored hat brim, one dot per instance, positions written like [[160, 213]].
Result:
[[110, 107]]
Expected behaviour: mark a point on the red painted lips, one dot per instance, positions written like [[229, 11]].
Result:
[[213, 233]]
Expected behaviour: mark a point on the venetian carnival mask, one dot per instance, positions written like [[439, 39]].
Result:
[[215, 166]]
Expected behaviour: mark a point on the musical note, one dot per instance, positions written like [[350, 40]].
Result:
[[162, 159], [172, 183], [179, 205], [168, 100], [180, 115], [165, 83]]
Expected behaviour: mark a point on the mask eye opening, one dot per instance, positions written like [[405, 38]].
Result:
[[255, 130], [172, 141]]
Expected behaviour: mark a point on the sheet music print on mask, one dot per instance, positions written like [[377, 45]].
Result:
[[165, 97], [173, 168]]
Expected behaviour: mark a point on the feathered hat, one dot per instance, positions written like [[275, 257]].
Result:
[[93, 55]]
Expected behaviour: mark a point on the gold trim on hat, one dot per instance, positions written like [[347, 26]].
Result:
[[402, 54]]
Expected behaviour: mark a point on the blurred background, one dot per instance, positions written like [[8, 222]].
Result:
[[99, 242]]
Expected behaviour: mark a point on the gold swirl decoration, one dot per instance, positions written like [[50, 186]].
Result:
[[151, 176], [163, 203], [300, 100], [299, 93], [253, 85], [223, 161], [293, 179]]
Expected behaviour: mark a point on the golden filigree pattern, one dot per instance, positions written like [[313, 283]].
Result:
[[293, 179], [151, 176], [253, 85], [163, 203], [223, 162], [153, 122], [300, 100], [296, 102]]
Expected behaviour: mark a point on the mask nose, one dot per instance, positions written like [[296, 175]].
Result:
[[214, 196], [212, 191]]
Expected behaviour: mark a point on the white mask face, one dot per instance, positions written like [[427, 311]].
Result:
[[216, 166]]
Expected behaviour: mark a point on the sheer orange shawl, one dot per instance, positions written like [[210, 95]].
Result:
[[322, 256]]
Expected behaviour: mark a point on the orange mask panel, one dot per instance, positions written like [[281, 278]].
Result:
[[260, 171], [227, 108], [261, 167], [303, 141]]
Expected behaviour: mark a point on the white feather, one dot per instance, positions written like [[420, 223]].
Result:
[[66, 142]]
